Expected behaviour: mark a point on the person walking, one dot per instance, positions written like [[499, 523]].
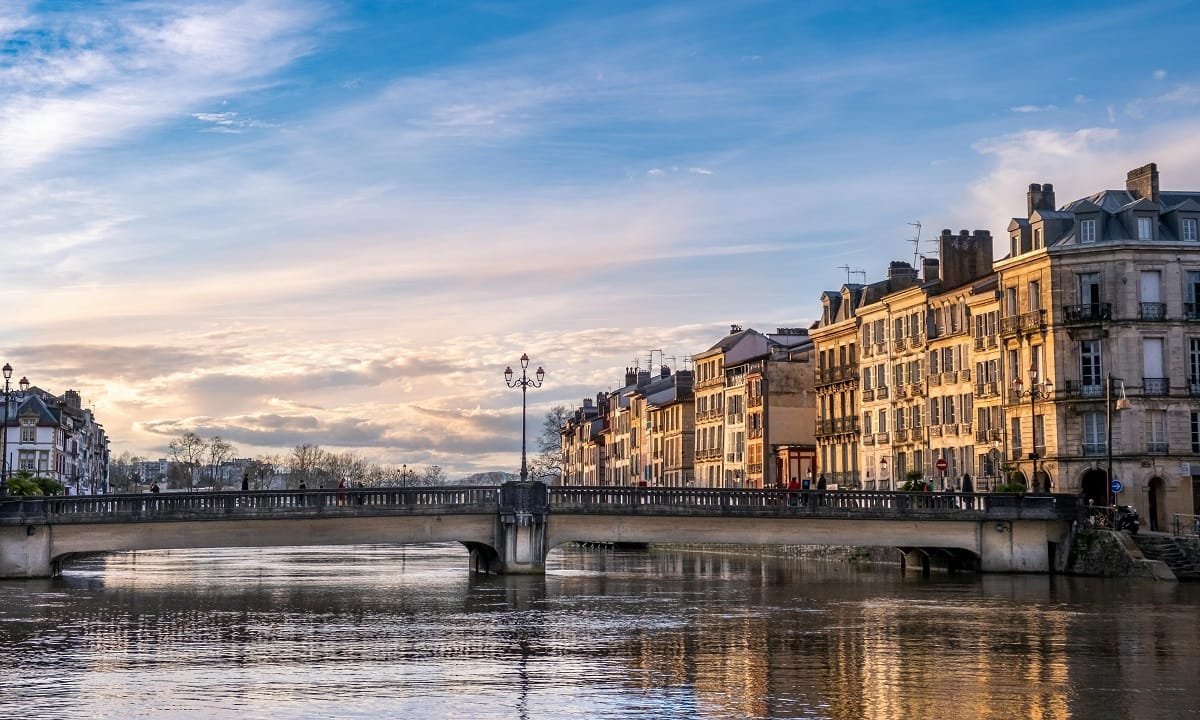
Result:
[[341, 496], [968, 489], [154, 488], [245, 482], [793, 487]]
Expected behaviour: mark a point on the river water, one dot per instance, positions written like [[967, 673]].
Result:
[[407, 632]]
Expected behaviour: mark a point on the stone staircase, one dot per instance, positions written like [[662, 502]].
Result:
[[1180, 556]]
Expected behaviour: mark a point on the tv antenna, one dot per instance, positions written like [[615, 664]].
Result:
[[916, 241], [853, 271]]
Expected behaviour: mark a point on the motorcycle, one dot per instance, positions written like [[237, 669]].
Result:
[[1127, 519]]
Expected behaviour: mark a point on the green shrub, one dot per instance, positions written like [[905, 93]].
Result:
[[25, 483]]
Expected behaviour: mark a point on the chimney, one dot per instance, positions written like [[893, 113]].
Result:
[[587, 402], [1143, 182], [900, 275], [631, 376], [929, 269], [72, 399], [643, 377], [735, 329], [1041, 197]]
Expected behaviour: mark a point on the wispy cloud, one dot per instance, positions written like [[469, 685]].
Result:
[[89, 81], [1033, 108]]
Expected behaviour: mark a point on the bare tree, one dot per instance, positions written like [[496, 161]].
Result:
[[264, 469], [219, 450], [188, 451], [547, 465], [432, 475], [305, 464], [348, 466]]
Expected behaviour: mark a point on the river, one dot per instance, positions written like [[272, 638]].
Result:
[[407, 632]]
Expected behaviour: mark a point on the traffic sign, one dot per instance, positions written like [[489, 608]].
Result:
[[1117, 486], [941, 464]]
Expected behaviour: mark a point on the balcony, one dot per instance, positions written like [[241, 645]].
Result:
[[901, 435], [754, 401], [880, 348], [964, 428], [754, 433], [1090, 391], [935, 431], [733, 457], [979, 342], [1191, 311], [992, 341], [1087, 314], [1155, 386], [950, 377], [898, 346], [981, 436], [882, 438], [901, 393], [735, 418], [1157, 448], [1152, 311], [868, 439], [881, 392], [964, 375], [1025, 322], [916, 390], [840, 373], [949, 429], [1092, 449], [868, 394], [754, 469]]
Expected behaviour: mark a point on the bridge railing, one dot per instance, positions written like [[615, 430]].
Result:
[[833, 503], [254, 504]]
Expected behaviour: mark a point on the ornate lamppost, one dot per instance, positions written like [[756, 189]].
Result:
[[4, 437], [524, 382], [883, 476], [1037, 391]]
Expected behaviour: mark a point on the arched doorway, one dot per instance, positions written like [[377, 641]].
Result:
[[1094, 484], [1041, 482], [1157, 501], [1018, 477]]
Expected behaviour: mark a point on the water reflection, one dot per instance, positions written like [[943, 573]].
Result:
[[406, 632]]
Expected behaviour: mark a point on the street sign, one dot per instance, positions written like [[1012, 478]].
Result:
[[941, 464], [1117, 486]]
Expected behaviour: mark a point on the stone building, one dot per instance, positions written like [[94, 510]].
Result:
[[836, 381], [1099, 303]]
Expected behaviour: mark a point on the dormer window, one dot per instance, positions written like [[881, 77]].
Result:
[[1145, 228], [1087, 231], [1037, 239], [1187, 229]]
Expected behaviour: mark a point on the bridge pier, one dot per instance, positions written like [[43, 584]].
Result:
[[25, 552], [521, 528]]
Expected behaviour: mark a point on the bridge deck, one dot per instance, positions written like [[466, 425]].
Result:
[[697, 502]]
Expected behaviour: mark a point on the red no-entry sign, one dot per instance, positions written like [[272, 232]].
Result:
[[941, 464]]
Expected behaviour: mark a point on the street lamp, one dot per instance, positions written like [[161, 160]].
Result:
[[1037, 391], [524, 382], [1109, 407], [4, 438], [883, 473]]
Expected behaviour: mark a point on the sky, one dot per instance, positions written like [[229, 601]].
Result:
[[285, 222]]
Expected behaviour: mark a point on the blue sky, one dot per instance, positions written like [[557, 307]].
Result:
[[337, 222]]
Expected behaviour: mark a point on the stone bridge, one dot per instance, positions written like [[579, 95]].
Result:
[[512, 528]]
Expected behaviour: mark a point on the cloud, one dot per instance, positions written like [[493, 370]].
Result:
[[1033, 108], [1160, 74], [228, 122], [115, 71], [1184, 95]]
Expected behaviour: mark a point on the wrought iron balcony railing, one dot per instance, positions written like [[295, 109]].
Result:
[[1085, 314]]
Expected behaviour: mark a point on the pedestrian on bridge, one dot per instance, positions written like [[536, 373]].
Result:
[[341, 496], [793, 487], [968, 488]]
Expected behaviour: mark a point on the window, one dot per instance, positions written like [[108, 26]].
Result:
[[1089, 290], [867, 423], [1094, 442], [900, 419], [1014, 436], [1037, 239], [1192, 295], [882, 418], [1156, 431], [948, 410], [1187, 229], [1010, 300], [935, 411], [1035, 295], [1145, 228], [1194, 364], [1087, 231], [1089, 366], [1196, 432]]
